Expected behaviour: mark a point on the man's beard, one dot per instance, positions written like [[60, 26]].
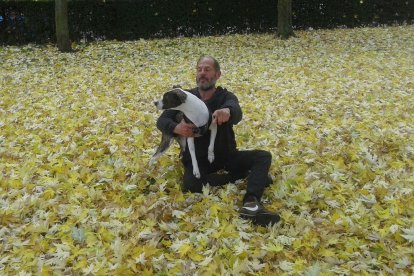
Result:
[[206, 85]]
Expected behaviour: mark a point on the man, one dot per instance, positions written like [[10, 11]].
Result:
[[226, 111]]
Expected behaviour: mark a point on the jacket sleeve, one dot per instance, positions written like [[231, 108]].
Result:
[[232, 102], [166, 122]]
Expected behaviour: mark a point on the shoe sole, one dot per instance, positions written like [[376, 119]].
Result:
[[261, 219]]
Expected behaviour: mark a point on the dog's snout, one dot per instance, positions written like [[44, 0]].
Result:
[[155, 103]]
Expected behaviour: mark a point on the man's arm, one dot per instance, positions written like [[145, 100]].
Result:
[[167, 124], [232, 104]]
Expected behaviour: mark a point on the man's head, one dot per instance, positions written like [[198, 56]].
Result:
[[208, 72]]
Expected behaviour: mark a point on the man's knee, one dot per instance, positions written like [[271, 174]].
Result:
[[264, 156]]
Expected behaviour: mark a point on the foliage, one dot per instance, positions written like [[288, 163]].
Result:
[[335, 108], [130, 20]]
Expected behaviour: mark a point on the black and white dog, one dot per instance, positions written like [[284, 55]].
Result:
[[192, 109]]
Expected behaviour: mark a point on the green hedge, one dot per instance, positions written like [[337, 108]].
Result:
[[126, 20]]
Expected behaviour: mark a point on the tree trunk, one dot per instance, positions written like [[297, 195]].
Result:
[[284, 19], [62, 28]]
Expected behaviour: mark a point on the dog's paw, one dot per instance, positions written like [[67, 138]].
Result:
[[211, 156], [196, 173]]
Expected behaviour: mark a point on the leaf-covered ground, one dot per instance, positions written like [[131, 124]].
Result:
[[335, 108]]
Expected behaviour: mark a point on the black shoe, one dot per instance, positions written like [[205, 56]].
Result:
[[255, 212]]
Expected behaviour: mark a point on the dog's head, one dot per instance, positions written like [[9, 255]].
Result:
[[171, 99]]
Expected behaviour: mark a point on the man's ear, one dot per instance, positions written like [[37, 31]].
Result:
[[218, 74]]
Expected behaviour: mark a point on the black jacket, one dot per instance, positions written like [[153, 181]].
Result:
[[225, 140]]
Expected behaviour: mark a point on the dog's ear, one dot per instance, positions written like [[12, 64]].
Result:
[[180, 94], [173, 98]]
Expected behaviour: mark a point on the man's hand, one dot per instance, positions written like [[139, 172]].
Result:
[[221, 116], [184, 129]]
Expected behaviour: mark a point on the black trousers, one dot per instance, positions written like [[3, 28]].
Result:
[[253, 164]]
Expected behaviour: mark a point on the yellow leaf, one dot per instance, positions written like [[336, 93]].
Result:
[[81, 264], [46, 271], [16, 184], [214, 209], [326, 252], [274, 247], [7, 217], [184, 249], [197, 257], [91, 239], [48, 194], [105, 235]]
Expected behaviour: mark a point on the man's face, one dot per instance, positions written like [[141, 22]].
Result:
[[206, 74]]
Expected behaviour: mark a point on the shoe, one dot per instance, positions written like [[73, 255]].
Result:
[[254, 211]]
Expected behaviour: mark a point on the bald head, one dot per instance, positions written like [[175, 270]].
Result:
[[216, 65]]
